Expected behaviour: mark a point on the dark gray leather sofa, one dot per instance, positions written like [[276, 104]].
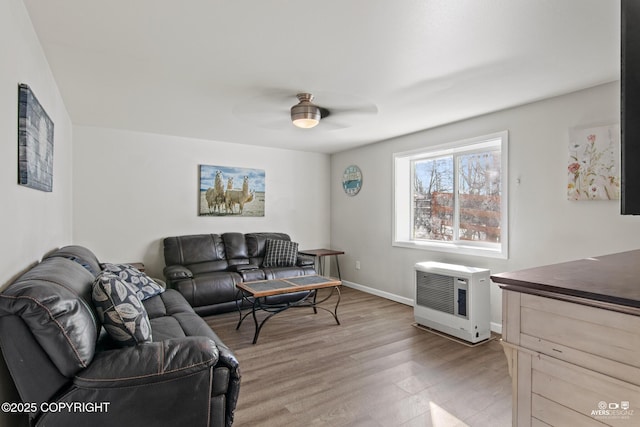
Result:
[[58, 353], [205, 268]]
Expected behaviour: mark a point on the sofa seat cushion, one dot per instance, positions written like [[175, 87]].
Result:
[[181, 325], [284, 272], [216, 286], [253, 275], [172, 317], [207, 267], [168, 303]]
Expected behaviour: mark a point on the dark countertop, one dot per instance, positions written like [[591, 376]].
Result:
[[610, 281]]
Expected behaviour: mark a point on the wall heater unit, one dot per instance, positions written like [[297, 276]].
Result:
[[453, 299]]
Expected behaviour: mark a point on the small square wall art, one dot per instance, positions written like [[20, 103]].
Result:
[[35, 142], [594, 163]]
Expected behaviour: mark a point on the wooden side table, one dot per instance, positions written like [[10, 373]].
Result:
[[138, 266], [319, 254]]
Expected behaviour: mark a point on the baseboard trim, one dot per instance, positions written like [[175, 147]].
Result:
[[495, 327], [377, 292]]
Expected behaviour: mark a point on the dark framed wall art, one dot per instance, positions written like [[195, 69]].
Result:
[[35, 142]]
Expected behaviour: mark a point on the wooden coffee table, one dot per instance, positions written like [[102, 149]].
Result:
[[257, 294]]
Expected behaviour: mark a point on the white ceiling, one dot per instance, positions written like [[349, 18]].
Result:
[[229, 70]]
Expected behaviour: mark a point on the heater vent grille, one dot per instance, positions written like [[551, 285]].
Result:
[[435, 291]]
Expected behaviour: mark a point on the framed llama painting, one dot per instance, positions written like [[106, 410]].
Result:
[[594, 163], [35, 142], [231, 191]]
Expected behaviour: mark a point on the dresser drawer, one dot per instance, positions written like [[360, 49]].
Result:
[[581, 391], [546, 413], [550, 392], [600, 340]]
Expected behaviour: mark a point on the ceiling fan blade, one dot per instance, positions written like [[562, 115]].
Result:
[[437, 85], [330, 125], [361, 109], [270, 108]]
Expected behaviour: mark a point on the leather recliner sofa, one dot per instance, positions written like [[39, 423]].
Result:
[[69, 371], [205, 268]]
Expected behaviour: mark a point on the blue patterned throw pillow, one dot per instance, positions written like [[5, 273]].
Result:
[[120, 310], [280, 253], [143, 285]]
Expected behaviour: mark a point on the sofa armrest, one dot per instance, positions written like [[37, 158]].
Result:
[[164, 383], [177, 272], [149, 363], [239, 268], [305, 260]]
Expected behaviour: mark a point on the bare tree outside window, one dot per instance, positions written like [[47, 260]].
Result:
[[474, 215]]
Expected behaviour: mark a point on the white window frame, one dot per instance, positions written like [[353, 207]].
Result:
[[403, 190]]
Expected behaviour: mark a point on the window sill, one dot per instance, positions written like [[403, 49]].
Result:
[[452, 248]]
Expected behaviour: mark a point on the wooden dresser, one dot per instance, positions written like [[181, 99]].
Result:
[[571, 333]]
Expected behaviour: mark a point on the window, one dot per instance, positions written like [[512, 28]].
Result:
[[453, 197]]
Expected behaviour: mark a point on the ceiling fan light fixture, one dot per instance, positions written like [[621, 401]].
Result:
[[305, 114]]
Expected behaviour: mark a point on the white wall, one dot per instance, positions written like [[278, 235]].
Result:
[[133, 189], [32, 222], [544, 226]]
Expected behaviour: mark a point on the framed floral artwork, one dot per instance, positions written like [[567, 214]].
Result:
[[594, 163]]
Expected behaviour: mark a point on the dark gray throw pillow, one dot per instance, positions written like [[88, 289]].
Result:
[[280, 253], [120, 310]]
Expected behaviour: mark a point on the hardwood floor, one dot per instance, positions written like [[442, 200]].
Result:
[[375, 369]]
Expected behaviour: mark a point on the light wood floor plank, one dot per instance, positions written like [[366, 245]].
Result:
[[373, 370]]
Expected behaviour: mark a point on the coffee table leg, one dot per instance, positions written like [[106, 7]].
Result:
[[315, 294], [240, 297], [254, 309], [335, 310], [255, 321], [334, 313]]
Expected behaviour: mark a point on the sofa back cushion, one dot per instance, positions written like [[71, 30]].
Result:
[[256, 244], [79, 254], [54, 300], [236, 247], [201, 253]]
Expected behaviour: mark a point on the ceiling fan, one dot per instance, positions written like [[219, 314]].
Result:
[[305, 114], [268, 109]]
